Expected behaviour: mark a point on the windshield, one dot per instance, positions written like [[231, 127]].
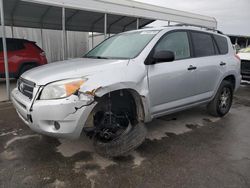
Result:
[[122, 46]]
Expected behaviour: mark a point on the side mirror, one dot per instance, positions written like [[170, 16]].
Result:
[[163, 56]]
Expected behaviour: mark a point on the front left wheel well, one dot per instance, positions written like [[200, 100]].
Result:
[[124, 99]]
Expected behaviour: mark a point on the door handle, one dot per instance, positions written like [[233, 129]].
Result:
[[191, 67], [222, 63]]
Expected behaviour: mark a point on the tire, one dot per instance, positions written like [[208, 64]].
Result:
[[124, 144], [25, 68], [222, 101]]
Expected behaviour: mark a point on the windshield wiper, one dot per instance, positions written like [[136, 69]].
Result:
[[96, 57]]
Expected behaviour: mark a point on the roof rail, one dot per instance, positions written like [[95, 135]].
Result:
[[209, 29]]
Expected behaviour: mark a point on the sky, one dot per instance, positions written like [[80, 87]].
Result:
[[233, 16]]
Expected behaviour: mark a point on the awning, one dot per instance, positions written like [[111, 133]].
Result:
[[87, 15], [104, 16]]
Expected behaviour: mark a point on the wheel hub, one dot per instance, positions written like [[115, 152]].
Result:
[[225, 98], [109, 126]]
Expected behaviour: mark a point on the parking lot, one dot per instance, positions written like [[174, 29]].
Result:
[[3, 94], [186, 149]]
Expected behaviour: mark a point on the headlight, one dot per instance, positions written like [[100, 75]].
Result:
[[61, 89]]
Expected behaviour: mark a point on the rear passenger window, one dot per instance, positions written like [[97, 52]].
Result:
[[12, 45], [176, 42], [222, 44], [202, 44]]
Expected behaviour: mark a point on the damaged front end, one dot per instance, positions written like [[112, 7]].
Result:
[[109, 106], [58, 109], [113, 121]]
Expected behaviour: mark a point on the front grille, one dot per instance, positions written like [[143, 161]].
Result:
[[26, 87], [245, 66]]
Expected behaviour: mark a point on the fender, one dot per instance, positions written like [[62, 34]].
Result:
[[131, 76], [142, 101], [97, 86], [229, 73]]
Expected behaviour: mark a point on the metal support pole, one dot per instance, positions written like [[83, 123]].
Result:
[[6, 68], [66, 44], [138, 23], [168, 23], [105, 25], [63, 34], [42, 39], [92, 39], [246, 43], [236, 41], [12, 31]]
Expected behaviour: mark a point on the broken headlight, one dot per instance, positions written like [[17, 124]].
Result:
[[62, 89]]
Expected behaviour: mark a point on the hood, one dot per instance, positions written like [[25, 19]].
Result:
[[73, 68]]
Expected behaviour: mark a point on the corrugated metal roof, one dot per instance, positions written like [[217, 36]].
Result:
[[87, 15]]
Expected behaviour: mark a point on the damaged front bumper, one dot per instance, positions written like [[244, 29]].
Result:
[[58, 118]]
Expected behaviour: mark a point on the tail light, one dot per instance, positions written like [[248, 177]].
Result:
[[237, 57], [42, 54]]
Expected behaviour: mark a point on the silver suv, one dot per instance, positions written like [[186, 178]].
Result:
[[126, 81]]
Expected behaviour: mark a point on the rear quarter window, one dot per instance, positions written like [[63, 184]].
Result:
[[221, 43], [203, 44]]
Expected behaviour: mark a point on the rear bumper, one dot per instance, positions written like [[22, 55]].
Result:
[[245, 75], [41, 115], [245, 69]]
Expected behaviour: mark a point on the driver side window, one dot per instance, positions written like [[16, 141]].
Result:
[[176, 42]]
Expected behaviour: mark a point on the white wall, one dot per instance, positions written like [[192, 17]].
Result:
[[97, 39], [77, 42]]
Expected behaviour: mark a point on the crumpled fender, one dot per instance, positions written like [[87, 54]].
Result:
[[123, 77], [132, 76]]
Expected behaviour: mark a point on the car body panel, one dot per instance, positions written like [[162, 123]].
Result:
[[73, 68], [245, 63], [30, 53], [174, 78], [162, 88]]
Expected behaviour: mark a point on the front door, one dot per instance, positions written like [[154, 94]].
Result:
[[171, 84]]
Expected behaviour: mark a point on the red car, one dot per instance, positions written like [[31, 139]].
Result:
[[22, 56]]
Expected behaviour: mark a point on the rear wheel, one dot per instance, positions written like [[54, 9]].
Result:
[[222, 101]]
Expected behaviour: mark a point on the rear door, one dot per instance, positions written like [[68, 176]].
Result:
[[210, 65]]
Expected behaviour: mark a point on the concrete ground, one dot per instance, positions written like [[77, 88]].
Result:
[[3, 94], [187, 149]]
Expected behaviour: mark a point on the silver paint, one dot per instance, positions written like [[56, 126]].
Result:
[[161, 88]]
